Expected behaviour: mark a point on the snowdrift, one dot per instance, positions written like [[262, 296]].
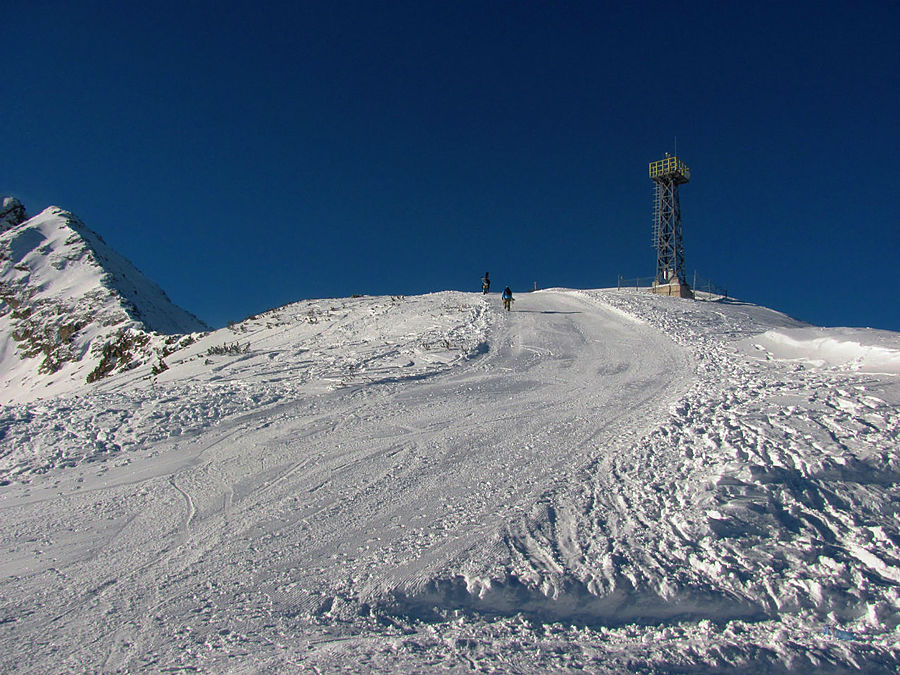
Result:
[[856, 349]]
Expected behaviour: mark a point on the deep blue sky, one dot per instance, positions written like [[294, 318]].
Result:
[[246, 155]]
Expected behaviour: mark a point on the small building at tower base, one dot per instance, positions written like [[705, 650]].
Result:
[[677, 289]]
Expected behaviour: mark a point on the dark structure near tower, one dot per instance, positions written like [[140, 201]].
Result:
[[668, 174]]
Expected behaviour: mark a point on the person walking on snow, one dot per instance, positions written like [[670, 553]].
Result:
[[485, 283], [507, 298]]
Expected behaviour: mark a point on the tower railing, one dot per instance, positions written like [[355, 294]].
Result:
[[670, 167]]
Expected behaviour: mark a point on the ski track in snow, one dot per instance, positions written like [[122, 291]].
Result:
[[598, 480]]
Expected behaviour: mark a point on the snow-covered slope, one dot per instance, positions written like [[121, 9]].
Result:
[[71, 307], [598, 480]]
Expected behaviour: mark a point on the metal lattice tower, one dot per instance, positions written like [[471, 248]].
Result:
[[668, 174]]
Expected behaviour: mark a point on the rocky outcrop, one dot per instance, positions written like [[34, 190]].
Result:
[[12, 213]]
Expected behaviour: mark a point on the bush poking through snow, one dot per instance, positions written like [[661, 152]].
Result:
[[118, 354], [226, 349]]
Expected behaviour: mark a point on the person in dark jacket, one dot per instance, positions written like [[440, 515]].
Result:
[[507, 298], [485, 283]]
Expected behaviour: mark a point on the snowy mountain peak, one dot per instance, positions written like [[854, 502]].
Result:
[[72, 308]]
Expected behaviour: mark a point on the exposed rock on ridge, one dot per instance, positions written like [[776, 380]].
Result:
[[72, 309], [12, 213]]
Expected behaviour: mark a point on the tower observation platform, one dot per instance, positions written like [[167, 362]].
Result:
[[668, 174], [670, 168]]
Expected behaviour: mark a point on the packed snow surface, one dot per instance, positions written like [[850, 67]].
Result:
[[598, 480]]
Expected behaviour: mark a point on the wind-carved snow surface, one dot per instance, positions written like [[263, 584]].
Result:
[[861, 350], [598, 480]]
